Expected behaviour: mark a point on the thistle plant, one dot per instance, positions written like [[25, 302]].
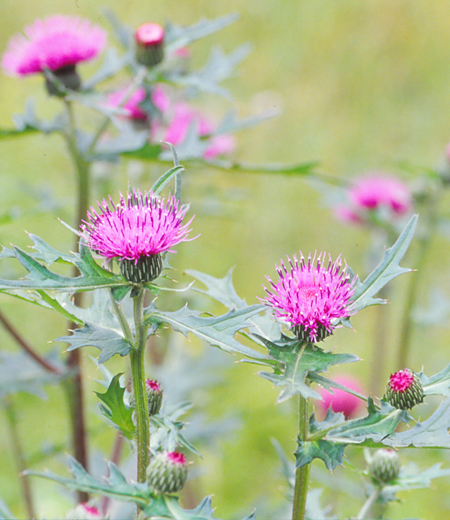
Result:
[[121, 262]]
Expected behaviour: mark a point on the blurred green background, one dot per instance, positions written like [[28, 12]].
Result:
[[361, 86]]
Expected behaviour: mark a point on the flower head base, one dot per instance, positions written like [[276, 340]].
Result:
[[136, 232], [167, 472], [404, 390], [341, 401], [385, 465], [375, 192], [149, 44], [54, 43], [309, 297]]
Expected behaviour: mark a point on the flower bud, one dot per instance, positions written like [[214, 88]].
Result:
[[149, 44], [167, 472], [144, 269], [404, 390], [154, 397], [84, 512], [385, 465]]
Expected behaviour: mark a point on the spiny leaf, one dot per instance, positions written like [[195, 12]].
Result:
[[439, 384], [332, 454], [218, 331], [294, 360], [107, 340], [115, 409], [388, 269]]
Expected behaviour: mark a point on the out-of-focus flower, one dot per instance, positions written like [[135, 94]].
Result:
[[159, 99], [309, 297], [341, 401], [136, 232], [404, 390], [167, 472], [84, 511], [375, 191], [53, 43], [183, 118], [385, 465], [149, 44]]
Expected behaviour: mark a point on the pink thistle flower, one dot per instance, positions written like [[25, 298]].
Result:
[[377, 190], [136, 231], [83, 511], [341, 401], [183, 117], [404, 390], [151, 384], [159, 99], [176, 457], [149, 44], [310, 297], [53, 43]]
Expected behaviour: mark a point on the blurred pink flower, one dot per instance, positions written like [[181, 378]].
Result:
[[373, 192], [341, 401], [183, 117], [53, 43], [159, 99]]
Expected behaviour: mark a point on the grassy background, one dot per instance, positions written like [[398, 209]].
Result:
[[362, 85]]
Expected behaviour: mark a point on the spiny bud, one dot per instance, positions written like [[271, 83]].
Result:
[[145, 269], [154, 397], [167, 472], [404, 390], [149, 44], [84, 512], [385, 465]]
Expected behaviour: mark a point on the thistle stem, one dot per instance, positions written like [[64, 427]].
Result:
[[140, 393], [19, 456], [369, 503], [301, 474]]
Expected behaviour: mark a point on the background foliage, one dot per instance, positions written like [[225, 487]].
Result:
[[363, 85]]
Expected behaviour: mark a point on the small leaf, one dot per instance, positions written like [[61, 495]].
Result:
[[115, 409], [162, 182], [388, 269], [331, 453], [218, 331], [107, 340]]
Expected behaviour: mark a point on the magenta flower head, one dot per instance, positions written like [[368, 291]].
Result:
[[341, 401], [84, 511], [375, 192], [309, 297], [149, 44], [404, 390], [136, 232], [56, 43]]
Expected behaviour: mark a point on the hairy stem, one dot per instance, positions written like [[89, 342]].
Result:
[[369, 504], [301, 474], [19, 456]]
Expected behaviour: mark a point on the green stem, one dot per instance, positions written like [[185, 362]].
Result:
[[75, 390], [19, 456], [139, 389], [369, 503], [301, 474]]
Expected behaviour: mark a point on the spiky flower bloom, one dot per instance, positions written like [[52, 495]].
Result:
[[167, 472], [375, 191], [149, 44], [56, 43], [309, 296], [84, 511], [154, 397], [404, 390], [341, 401], [136, 232], [384, 465], [132, 104]]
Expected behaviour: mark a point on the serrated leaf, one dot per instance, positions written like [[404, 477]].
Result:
[[220, 289], [41, 278], [106, 340], [388, 269], [20, 373], [115, 409], [411, 478], [218, 331], [177, 37], [28, 122], [332, 454], [294, 360]]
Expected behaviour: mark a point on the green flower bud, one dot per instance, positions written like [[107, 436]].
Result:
[[154, 397], [404, 390], [385, 465], [167, 472]]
